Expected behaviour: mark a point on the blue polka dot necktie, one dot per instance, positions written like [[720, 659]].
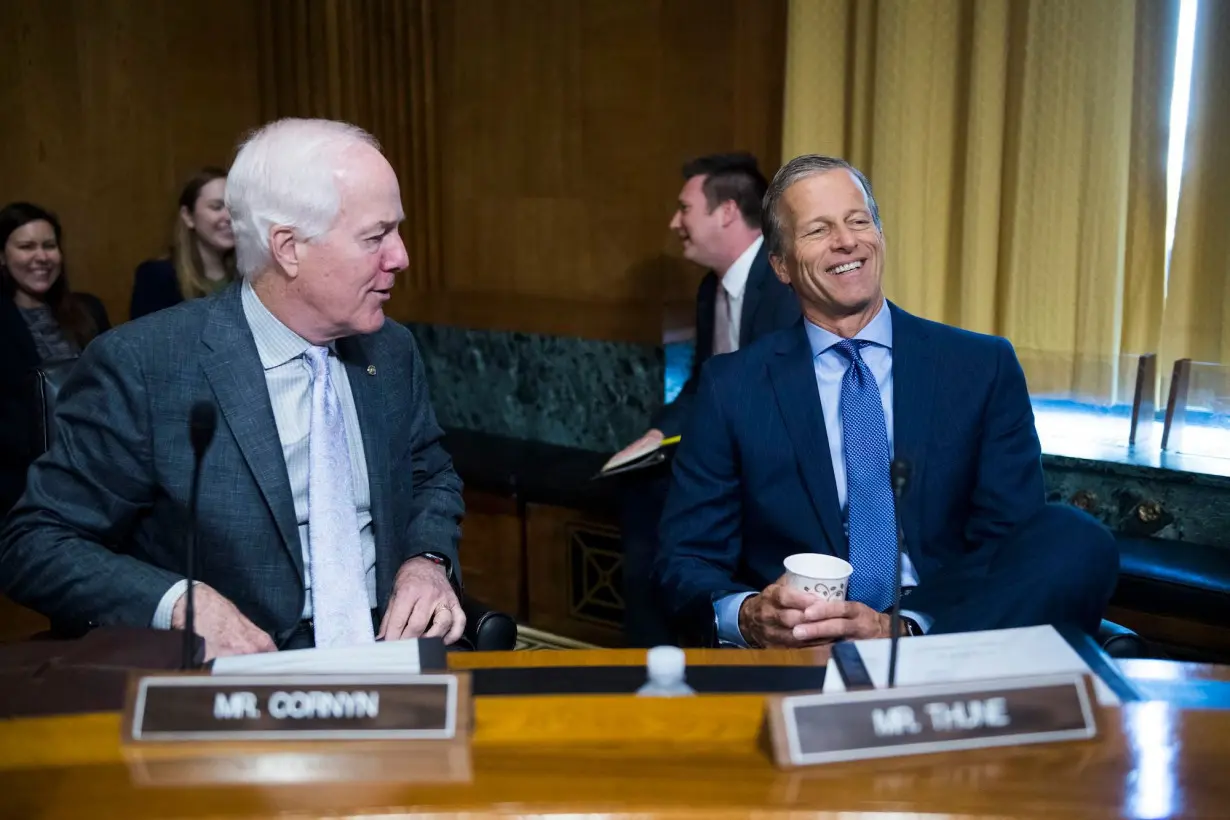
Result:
[[870, 522]]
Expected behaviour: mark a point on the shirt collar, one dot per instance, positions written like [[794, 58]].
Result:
[[275, 342], [734, 280], [878, 331]]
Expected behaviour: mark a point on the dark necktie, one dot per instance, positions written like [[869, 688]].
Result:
[[722, 322]]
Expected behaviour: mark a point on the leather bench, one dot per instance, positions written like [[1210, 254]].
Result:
[[1174, 579]]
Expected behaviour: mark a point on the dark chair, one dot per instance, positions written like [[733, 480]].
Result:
[[486, 629], [1120, 642], [1176, 579]]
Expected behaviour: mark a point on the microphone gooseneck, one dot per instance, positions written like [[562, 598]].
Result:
[[899, 473], [202, 423]]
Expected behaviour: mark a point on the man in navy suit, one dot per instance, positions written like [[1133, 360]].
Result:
[[739, 300], [789, 445]]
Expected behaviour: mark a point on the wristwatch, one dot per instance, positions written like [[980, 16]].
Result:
[[437, 558], [910, 627]]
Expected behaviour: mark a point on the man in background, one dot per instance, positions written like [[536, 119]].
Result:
[[328, 511], [790, 442], [739, 300]]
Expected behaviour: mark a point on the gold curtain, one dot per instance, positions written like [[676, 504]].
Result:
[[1016, 148], [1197, 322]]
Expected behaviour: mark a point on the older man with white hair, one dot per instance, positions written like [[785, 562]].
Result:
[[328, 511]]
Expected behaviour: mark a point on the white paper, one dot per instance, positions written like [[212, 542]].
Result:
[[381, 656], [970, 656], [632, 455]]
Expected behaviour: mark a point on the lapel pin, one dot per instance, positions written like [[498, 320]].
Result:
[[371, 370]]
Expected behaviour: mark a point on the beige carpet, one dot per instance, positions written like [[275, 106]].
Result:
[[530, 638]]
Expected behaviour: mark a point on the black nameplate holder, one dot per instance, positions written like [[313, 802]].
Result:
[[242, 708], [806, 730]]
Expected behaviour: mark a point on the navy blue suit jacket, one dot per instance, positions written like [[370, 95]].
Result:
[[753, 478], [154, 286], [768, 306]]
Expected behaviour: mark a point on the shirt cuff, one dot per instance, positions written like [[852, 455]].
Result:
[[726, 617], [162, 615], [924, 621]]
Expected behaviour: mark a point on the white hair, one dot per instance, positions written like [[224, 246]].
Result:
[[286, 174]]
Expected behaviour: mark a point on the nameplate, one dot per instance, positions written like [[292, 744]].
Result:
[[296, 707], [811, 729]]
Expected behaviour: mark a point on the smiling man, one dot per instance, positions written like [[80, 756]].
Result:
[[790, 442], [329, 512]]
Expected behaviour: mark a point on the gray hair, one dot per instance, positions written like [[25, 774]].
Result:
[[798, 169], [286, 174]]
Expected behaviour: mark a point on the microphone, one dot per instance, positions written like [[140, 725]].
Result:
[[202, 422], [899, 474]]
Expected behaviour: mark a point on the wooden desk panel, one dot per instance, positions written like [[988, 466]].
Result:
[[18, 623], [632, 657], [492, 563], [573, 562], [1151, 761], [1143, 669]]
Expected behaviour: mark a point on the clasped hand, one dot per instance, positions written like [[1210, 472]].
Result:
[[784, 617]]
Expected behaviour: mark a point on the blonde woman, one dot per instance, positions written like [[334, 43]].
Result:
[[202, 260]]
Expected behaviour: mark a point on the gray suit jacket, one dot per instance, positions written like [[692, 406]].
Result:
[[99, 536]]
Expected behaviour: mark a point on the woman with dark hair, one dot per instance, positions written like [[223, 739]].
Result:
[[41, 319], [202, 259]]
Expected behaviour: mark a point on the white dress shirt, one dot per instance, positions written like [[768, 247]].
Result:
[[830, 368], [288, 377], [734, 282]]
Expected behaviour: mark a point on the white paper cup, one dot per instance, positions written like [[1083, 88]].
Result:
[[824, 576]]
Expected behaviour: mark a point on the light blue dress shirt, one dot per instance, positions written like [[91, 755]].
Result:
[[830, 367]]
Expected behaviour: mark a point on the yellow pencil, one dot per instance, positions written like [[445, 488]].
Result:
[[671, 440]]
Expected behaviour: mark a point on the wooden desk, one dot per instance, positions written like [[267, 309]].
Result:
[[1150, 761], [633, 657]]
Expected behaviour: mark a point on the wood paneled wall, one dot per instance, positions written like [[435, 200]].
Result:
[[564, 124], [538, 142], [107, 106]]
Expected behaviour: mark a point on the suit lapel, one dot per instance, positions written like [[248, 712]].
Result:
[[757, 276], [706, 299], [794, 382], [233, 368], [367, 388], [913, 400]]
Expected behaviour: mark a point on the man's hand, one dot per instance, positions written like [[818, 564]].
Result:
[[226, 630], [828, 621], [645, 442], [785, 617], [423, 604]]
